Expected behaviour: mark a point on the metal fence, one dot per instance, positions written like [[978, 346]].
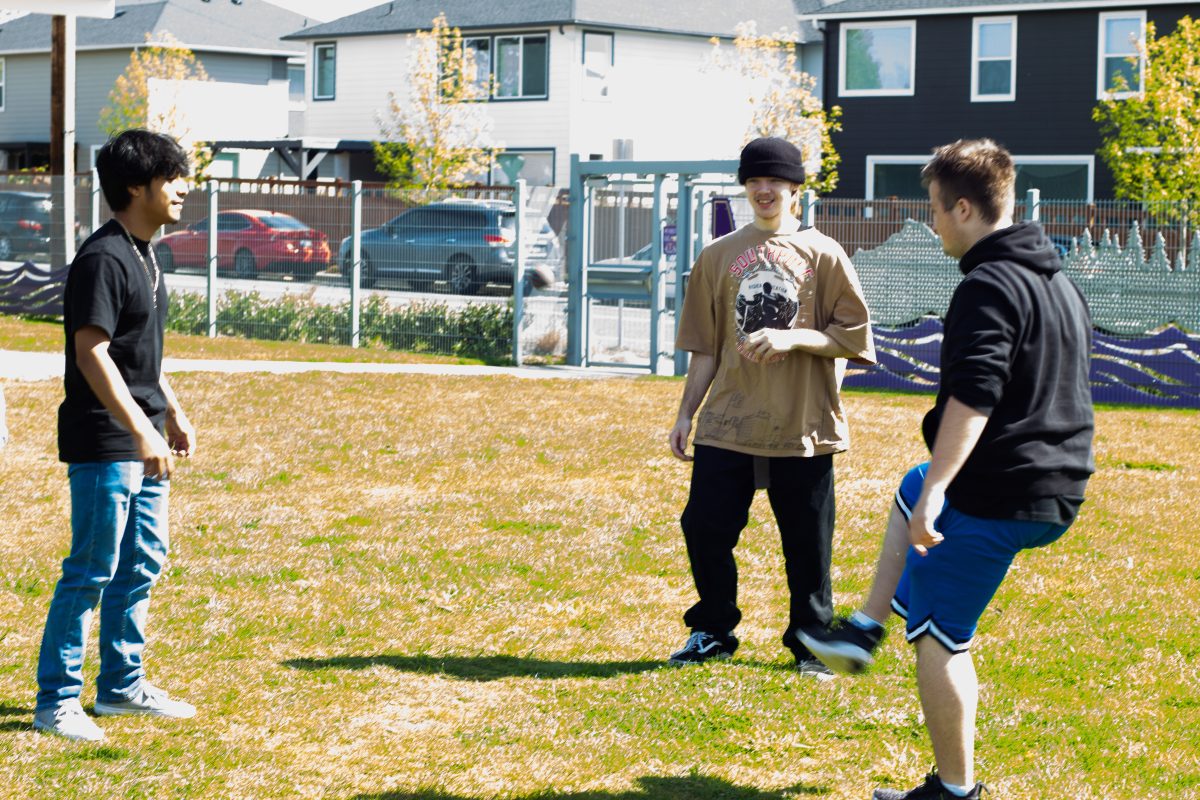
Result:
[[345, 263]]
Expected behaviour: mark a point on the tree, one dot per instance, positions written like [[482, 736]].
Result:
[[438, 134], [129, 101], [1151, 140], [783, 100]]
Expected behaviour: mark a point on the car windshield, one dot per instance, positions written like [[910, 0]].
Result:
[[508, 222], [283, 222]]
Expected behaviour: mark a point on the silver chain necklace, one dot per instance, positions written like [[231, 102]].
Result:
[[142, 260]]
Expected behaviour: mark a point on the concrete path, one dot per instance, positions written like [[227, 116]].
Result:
[[26, 366]]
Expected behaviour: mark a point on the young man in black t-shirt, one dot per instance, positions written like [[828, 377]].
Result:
[[118, 429]]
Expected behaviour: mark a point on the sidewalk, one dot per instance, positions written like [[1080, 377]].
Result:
[[26, 366]]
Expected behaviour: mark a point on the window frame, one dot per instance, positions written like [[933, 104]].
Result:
[[494, 59], [612, 62], [298, 104], [316, 83], [977, 59], [3, 83], [843, 28], [1102, 55]]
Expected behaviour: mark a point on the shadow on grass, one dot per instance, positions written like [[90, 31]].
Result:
[[480, 668], [25, 722], [695, 787]]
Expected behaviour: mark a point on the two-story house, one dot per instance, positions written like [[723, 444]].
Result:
[[236, 41], [568, 76], [913, 74]]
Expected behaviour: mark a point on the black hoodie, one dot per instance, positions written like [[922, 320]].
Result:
[[1018, 337]]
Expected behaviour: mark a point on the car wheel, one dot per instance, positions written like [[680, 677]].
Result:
[[165, 258], [243, 264], [366, 278], [6, 251], [460, 274]]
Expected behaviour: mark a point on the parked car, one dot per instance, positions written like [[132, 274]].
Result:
[[249, 242], [633, 272], [24, 224], [465, 243]]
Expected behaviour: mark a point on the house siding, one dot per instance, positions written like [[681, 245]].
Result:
[[662, 97], [1052, 113], [26, 116]]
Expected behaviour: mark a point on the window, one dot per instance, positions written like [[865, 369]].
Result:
[[895, 176], [521, 69], [1120, 64], [231, 222], [3, 77], [295, 73], [535, 166], [324, 71], [481, 48], [597, 65], [877, 58], [1057, 177], [994, 59]]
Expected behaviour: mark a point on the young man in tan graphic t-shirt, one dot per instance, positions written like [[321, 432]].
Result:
[[769, 310]]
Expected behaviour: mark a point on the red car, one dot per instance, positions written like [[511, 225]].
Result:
[[249, 242]]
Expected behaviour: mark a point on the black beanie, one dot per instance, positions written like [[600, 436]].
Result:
[[771, 157]]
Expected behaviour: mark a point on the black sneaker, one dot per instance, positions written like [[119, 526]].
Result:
[[931, 789], [845, 647], [813, 668], [701, 647]]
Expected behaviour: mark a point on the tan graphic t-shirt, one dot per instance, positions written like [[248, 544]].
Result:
[[751, 279]]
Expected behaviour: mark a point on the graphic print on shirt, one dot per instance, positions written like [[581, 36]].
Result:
[[768, 293]]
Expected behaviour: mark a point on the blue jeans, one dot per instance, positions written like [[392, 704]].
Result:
[[118, 547]]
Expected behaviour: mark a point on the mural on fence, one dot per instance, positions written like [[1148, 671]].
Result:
[[908, 282], [908, 276], [32, 289]]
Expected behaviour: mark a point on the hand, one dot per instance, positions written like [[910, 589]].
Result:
[[181, 435], [766, 343], [921, 533], [157, 461], [679, 439]]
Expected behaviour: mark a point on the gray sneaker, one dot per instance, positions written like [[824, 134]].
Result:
[[149, 700], [68, 720]]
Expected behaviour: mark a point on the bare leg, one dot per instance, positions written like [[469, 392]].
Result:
[[949, 696], [889, 568]]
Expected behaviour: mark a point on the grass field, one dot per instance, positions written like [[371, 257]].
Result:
[[438, 587]]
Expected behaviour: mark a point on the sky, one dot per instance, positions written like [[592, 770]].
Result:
[[325, 10]]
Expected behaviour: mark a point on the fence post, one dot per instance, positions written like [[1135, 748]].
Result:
[[214, 189], [95, 207], [356, 261], [518, 270], [577, 255], [808, 209], [656, 270], [683, 258], [1033, 202]]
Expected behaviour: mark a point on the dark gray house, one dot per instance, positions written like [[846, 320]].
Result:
[[912, 74], [237, 41]]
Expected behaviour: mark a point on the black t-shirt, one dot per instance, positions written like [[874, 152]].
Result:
[[108, 287]]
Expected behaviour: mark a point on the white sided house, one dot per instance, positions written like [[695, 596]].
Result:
[[600, 78]]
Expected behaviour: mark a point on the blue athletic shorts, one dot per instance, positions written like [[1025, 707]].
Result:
[[945, 592]]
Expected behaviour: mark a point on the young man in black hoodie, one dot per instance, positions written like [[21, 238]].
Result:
[[1011, 438]]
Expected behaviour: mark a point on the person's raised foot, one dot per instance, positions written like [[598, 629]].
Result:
[[844, 647]]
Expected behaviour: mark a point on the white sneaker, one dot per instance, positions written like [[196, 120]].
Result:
[[68, 721], [149, 700]]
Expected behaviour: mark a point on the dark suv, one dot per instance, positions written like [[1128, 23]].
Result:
[[465, 243], [24, 224]]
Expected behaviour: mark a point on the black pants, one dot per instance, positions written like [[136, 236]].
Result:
[[801, 495]]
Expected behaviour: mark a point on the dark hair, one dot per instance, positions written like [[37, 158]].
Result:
[[976, 169], [135, 158]]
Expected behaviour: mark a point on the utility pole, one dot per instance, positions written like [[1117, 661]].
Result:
[[62, 140]]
